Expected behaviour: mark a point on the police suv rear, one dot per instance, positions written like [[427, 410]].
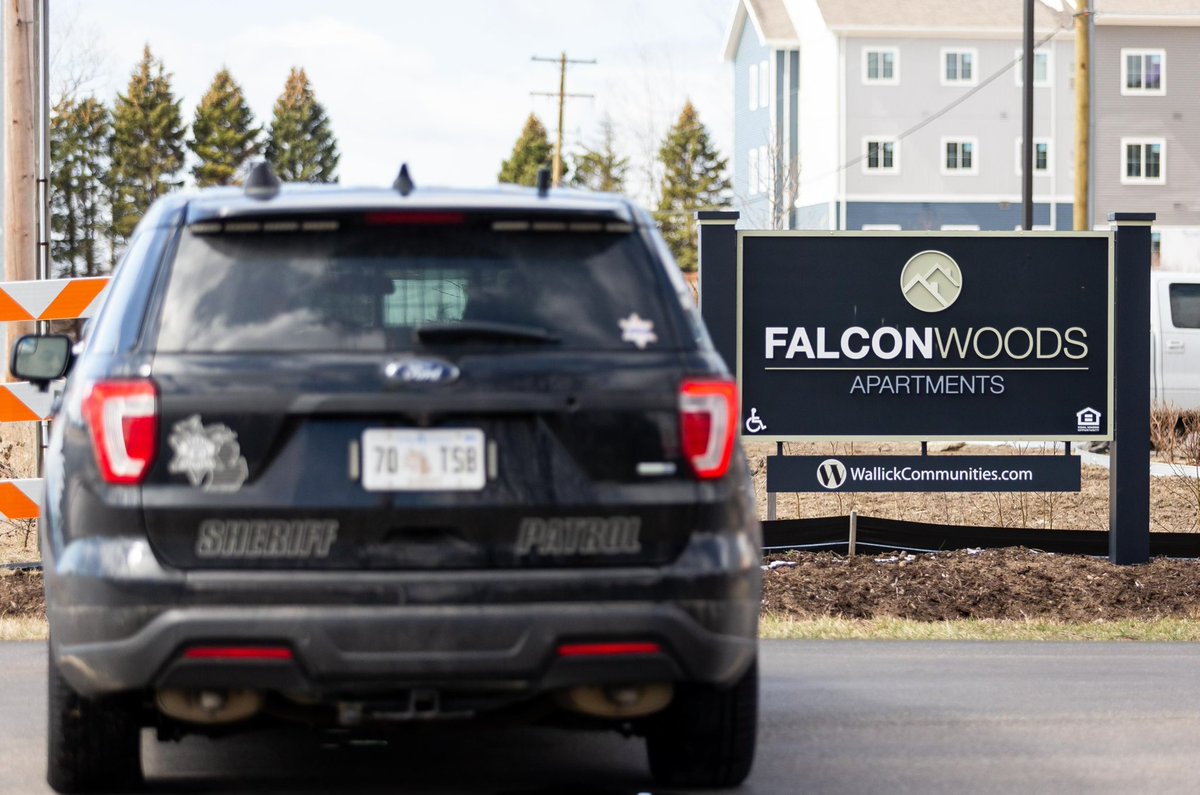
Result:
[[361, 458]]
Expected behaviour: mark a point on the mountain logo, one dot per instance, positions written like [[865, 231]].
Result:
[[931, 281]]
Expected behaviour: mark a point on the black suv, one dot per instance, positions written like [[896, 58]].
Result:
[[360, 457]]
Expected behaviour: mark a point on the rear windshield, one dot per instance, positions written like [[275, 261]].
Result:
[[361, 288]]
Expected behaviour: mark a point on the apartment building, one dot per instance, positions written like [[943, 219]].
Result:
[[853, 114], [1146, 68]]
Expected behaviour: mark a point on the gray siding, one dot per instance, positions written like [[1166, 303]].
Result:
[[992, 116], [930, 216], [1175, 117]]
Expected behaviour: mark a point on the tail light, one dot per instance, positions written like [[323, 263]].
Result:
[[238, 653], [607, 649], [414, 219], [707, 419], [122, 418]]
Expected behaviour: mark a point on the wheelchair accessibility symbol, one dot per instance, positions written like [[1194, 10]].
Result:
[[755, 423]]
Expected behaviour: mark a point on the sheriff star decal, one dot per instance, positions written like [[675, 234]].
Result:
[[209, 455], [637, 330]]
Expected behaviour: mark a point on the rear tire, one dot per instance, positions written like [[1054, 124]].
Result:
[[706, 737], [93, 745]]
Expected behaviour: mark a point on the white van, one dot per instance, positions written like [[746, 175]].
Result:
[[1175, 339]]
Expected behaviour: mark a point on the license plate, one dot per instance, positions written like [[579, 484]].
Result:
[[406, 459]]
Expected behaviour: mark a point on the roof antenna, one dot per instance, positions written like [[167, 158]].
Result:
[[261, 182], [403, 182], [543, 181]]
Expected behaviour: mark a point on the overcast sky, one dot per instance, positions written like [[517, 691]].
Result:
[[442, 85]]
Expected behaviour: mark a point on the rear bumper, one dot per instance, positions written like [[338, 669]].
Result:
[[120, 622]]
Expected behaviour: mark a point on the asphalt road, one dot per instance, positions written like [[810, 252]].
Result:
[[838, 716]]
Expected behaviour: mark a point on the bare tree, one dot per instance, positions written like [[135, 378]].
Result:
[[778, 180], [77, 60]]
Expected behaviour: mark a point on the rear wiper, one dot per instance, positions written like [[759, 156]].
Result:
[[482, 330]]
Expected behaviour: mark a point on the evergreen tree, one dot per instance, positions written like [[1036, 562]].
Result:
[[301, 146], [147, 145], [693, 179], [531, 151], [602, 169], [224, 135], [80, 134]]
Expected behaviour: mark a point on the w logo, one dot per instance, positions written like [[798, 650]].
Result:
[[831, 473]]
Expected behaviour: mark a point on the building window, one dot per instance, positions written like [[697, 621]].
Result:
[[1143, 72], [881, 65], [753, 86], [764, 85], [881, 155], [1144, 161], [752, 174], [960, 156], [1042, 162], [959, 67], [1042, 73]]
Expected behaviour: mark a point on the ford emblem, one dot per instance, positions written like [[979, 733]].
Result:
[[421, 371]]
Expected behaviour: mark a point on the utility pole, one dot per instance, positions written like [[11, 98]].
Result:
[[562, 61], [20, 161], [1027, 122], [1083, 113]]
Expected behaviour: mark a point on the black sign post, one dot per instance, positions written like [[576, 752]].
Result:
[[1129, 476], [718, 280]]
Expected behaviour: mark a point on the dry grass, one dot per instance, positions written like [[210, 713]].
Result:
[[1161, 630], [23, 628], [18, 540]]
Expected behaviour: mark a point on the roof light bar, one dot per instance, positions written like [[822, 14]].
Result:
[[242, 226]]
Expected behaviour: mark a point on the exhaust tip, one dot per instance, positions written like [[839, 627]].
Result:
[[209, 706], [617, 701]]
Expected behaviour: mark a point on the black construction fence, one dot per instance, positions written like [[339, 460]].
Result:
[[832, 533]]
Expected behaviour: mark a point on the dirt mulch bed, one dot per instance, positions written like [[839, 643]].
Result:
[[21, 595], [992, 584]]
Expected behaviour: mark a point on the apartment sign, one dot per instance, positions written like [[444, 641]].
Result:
[[976, 336]]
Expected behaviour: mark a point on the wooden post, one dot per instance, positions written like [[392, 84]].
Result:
[[20, 162], [562, 95], [1083, 110], [853, 531]]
